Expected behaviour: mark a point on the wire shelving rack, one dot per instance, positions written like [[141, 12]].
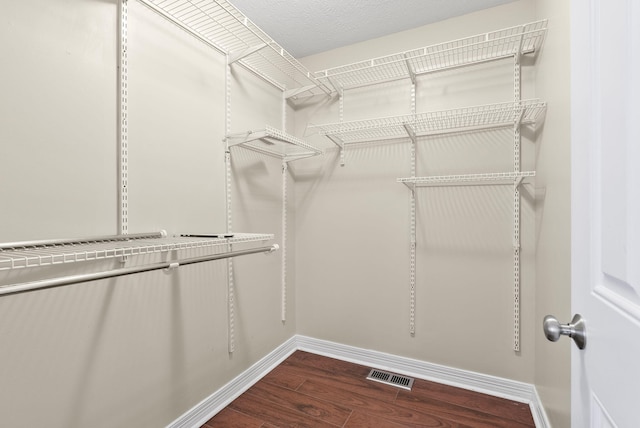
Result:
[[278, 144], [514, 178], [518, 40], [222, 26], [30, 255], [273, 142], [433, 123], [509, 43]]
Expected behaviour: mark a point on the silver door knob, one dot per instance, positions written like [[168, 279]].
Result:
[[575, 330]]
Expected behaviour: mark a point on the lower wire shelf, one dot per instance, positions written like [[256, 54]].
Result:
[[30, 254], [514, 178], [44, 253]]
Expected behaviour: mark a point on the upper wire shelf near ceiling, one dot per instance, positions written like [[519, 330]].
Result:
[[219, 24], [273, 142], [432, 123], [44, 253], [522, 39]]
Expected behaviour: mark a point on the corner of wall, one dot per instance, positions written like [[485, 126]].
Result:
[[553, 212]]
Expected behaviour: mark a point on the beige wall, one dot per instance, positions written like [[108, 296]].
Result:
[[138, 350], [553, 213], [353, 222]]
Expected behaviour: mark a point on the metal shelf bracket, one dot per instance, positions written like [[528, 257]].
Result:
[[410, 132], [237, 56], [293, 93]]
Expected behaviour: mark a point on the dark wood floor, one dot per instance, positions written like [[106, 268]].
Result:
[[308, 390]]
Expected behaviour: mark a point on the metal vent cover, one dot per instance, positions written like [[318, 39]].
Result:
[[392, 379]]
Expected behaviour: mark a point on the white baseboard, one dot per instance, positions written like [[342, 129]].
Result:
[[220, 399], [492, 385], [537, 410]]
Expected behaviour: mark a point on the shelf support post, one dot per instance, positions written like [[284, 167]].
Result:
[[230, 273], [227, 158], [341, 108], [412, 246], [516, 200], [412, 218], [284, 241], [284, 111], [516, 268], [123, 122], [518, 53]]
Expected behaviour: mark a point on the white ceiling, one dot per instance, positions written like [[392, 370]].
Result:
[[306, 27]]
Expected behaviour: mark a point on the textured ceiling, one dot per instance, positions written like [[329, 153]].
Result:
[[306, 27]]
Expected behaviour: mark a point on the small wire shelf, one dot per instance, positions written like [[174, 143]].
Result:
[[522, 39], [273, 142], [28, 255], [432, 123], [514, 178], [220, 24]]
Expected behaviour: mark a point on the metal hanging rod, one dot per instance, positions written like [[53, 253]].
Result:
[[75, 279], [78, 241]]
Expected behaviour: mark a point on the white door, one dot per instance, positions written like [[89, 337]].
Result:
[[605, 144]]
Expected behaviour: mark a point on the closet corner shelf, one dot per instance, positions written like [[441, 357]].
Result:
[[273, 142], [522, 39], [45, 253], [513, 178], [433, 123], [219, 24]]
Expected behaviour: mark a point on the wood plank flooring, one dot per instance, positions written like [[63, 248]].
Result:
[[309, 390]]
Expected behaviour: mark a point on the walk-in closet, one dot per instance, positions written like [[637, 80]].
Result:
[[186, 205]]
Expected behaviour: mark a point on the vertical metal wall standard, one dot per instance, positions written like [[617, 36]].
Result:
[[284, 240], [335, 139], [516, 201], [283, 290], [123, 142], [227, 160], [412, 221], [341, 119]]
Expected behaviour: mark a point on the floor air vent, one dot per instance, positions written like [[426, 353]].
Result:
[[400, 381]]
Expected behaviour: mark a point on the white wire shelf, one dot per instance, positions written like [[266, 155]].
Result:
[[45, 254], [513, 178], [432, 123], [221, 25], [522, 39], [273, 142]]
